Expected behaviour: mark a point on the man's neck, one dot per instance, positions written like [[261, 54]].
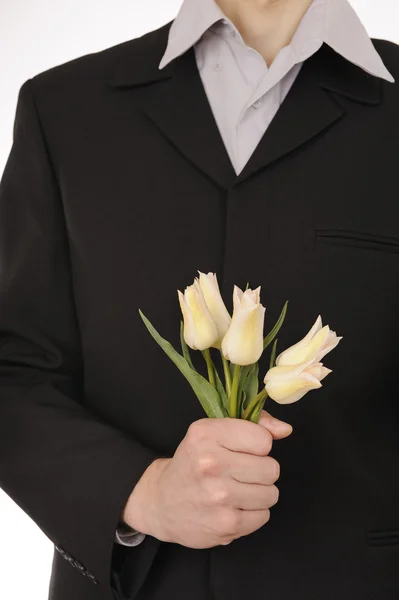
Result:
[[265, 25]]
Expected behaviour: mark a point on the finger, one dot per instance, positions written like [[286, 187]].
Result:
[[240, 435], [249, 522], [252, 520], [253, 496], [246, 468], [278, 429]]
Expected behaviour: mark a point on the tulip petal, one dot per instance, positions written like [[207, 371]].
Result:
[[189, 326], [295, 354], [291, 391], [213, 299], [250, 298], [284, 373], [319, 371], [243, 343], [333, 341], [237, 295], [200, 331], [314, 346]]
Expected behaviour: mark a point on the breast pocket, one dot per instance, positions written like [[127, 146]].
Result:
[[386, 537], [359, 262], [360, 240], [356, 286]]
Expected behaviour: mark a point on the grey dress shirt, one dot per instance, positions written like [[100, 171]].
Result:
[[245, 94]]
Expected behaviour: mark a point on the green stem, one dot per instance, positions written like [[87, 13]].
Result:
[[261, 396], [234, 392], [227, 374], [211, 374]]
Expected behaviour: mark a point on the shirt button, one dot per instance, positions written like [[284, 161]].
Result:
[[257, 104]]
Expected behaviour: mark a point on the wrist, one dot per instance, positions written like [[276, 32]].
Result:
[[139, 508]]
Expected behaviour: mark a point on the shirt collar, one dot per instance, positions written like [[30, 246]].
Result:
[[331, 21]]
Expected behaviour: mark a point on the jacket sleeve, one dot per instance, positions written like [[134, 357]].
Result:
[[67, 468]]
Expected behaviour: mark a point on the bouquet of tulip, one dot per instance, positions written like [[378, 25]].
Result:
[[239, 339]]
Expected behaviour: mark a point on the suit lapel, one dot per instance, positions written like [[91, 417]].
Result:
[[309, 109], [175, 100], [306, 111], [182, 113]]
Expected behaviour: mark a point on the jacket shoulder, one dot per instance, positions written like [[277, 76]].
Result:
[[389, 52], [94, 67]]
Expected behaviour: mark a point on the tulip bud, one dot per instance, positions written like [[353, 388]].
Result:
[[220, 315], [243, 342], [316, 344], [289, 384], [298, 369], [200, 331]]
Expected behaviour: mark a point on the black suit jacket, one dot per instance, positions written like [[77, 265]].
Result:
[[117, 189]]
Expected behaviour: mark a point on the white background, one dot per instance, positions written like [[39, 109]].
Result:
[[36, 35]]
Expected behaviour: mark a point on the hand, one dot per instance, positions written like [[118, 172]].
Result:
[[218, 486]]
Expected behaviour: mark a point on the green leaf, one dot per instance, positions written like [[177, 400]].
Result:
[[243, 377], [243, 403], [221, 390], [184, 347], [247, 373], [273, 354], [249, 383], [270, 336], [252, 383], [248, 387], [205, 392]]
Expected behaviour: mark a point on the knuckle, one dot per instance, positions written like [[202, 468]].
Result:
[[207, 464], [220, 496], [197, 431]]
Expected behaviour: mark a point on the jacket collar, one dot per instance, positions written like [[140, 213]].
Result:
[[128, 69], [333, 22], [174, 99]]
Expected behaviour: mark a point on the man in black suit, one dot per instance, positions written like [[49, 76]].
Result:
[[257, 140]]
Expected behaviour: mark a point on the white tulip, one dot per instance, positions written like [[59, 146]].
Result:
[[200, 330], [298, 369], [210, 289], [243, 342], [316, 344], [289, 384]]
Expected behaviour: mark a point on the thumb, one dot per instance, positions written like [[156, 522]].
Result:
[[278, 429]]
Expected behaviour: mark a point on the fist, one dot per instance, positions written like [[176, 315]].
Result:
[[218, 486]]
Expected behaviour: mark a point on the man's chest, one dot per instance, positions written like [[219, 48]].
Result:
[[145, 210]]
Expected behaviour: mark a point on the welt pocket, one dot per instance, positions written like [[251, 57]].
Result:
[[356, 239], [388, 537]]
